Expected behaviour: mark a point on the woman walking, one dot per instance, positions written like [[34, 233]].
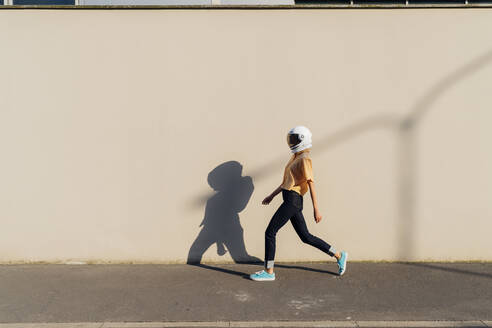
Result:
[[298, 178]]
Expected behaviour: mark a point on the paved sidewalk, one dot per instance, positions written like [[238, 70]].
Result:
[[220, 293]]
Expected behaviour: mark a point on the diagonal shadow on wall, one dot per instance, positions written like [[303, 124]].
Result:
[[406, 129]]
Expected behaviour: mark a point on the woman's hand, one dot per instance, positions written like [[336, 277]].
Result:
[[267, 200], [317, 214]]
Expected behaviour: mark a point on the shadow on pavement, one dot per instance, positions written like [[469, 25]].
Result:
[[448, 269], [260, 264], [233, 272], [298, 267]]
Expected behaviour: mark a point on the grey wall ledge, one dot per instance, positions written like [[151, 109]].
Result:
[[244, 7]]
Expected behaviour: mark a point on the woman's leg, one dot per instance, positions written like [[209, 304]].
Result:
[[279, 219], [300, 226]]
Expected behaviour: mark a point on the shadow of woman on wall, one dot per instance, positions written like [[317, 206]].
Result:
[[221, 225]]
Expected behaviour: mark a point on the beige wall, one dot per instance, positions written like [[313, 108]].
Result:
[[110, 122]]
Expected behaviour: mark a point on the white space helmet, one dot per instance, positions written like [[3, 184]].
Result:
[[299, 138]]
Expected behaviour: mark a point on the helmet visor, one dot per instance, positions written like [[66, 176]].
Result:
[[293, 140]]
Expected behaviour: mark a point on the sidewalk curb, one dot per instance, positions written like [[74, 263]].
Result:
[[249, 324]]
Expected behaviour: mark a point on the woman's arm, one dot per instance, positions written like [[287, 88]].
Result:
[[269, 198], [312, 191]]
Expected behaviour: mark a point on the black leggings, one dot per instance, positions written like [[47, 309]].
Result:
[[291, 209]]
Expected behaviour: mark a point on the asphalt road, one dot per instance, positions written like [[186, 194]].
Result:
[[302, 292]]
